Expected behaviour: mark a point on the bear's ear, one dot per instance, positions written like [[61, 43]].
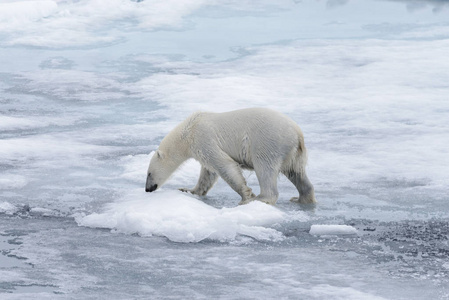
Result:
[[159, 154]]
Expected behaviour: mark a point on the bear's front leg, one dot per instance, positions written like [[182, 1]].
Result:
[[205, 183], [231, 172]]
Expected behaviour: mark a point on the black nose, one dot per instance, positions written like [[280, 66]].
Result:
[[151, 189]]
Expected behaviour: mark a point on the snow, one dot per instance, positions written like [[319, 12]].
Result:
[[88, 88]]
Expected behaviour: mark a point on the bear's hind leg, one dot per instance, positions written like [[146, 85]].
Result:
[[303, 185], [205, 183], [267, 176]]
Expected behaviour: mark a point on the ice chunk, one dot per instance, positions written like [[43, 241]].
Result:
[[332, 230], [7, 208], [182, 218]]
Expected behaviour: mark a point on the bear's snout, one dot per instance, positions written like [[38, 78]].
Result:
[[149, 185], [151, 188]]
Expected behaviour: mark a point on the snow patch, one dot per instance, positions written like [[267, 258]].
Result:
[[16, 13], [73, 23], [20, 123], [327, 291], [10, 123], [45, 147], [11, 181], [182, 218]]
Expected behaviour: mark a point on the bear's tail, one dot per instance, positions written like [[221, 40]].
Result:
[[297, 159], [301, 155]]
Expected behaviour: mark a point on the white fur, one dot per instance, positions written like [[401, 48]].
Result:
[[258, 139]]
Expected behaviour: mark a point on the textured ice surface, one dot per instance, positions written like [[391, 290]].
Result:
[[89, 88]]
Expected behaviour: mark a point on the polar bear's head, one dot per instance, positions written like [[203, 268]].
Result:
[[162, 165], [157, 172]]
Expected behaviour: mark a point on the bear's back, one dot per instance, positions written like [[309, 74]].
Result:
[[252, 121], [248, 130]]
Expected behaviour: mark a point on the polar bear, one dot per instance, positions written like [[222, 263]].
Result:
[[258, 139]]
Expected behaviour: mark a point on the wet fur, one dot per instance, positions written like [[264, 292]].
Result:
[[257, 139]]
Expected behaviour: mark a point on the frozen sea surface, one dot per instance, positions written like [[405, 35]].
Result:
[[89, 88]]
